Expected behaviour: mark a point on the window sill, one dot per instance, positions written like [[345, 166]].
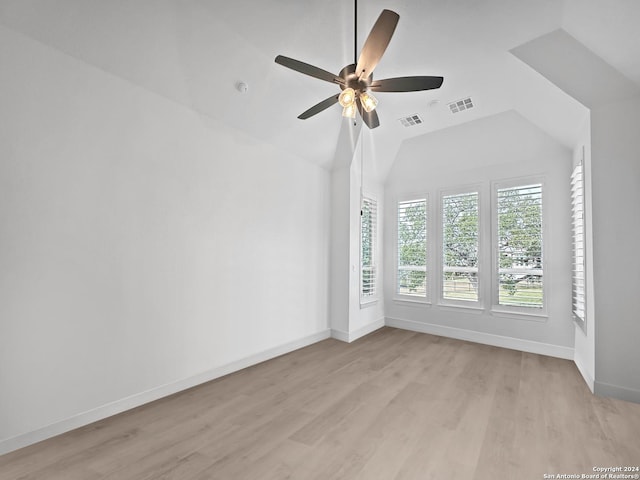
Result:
[[455, 307], [532, 316], [368, 303], [412, 302]]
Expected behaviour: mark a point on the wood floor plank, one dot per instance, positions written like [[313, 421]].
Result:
[[342, 407], [427, 461], [392, 405], [496, 456], [395, 433], [242, 450], [280, 462]]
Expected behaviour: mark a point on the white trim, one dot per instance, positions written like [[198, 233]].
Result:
[[607, 390], [340, 335], [524, 315], [530, 346], [368, 303], [412, 302], [466, 304], [461, 307], [585, 374], [366, 330], [156, 393], [349, 337]]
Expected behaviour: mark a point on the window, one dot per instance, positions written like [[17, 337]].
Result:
[[412, 248], [368, 229], [460, 247], [486, 247], [519, 246], [578, 270]]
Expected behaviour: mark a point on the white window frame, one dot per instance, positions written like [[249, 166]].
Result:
[[535, 313], [373, 297], [439, 282], [419, 299]]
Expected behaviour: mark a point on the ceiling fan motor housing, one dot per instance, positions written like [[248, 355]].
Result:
[[351, 79]]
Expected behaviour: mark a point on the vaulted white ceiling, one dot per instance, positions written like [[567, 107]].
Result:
[[195, 52]]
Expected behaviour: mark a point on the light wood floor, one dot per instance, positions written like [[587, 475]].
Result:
[[393, 405]]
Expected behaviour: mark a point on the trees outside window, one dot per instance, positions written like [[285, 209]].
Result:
[[519, 246], [466, 242], [412, 248], [460, 247]]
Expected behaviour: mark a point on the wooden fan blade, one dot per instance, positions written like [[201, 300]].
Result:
[[323, 105], [406, 84], [307, 69], [370, 118], [376, 43]]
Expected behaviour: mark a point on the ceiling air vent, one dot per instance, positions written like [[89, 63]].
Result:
[[460, 105], [411, 120]]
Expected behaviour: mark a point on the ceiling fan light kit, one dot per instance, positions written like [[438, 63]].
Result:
[[356, 80], [349, 111], [369, 102], [347, 97]]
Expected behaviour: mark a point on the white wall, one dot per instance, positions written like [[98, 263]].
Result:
[[584, 340], [141, 245], [504, 146], [340, 251], [613, 175], [615, 168], [365, 317], [349, 318]]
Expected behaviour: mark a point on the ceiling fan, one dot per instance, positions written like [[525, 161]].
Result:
[[356, 80]]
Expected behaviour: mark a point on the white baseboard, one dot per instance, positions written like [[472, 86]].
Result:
[[585, 374], [621, 393], [113, 408], [547, 349], [356, 334], [367, 329], [340, 335]]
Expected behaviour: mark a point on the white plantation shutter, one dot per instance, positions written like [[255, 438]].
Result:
[[578, 269], [412, 248], [519, 246], [368, 232]]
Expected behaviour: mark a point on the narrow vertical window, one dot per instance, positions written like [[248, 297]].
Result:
[[460, 247], [519, 246], [368, 230], [412, 248], [578, 270]]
